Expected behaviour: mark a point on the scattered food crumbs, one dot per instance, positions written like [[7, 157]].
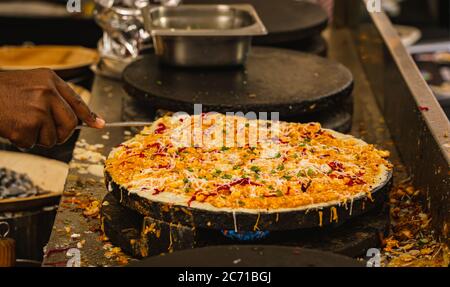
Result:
[[127, 133], [237, 261], [92, 210], [122, 260], [105, 203], [105, 136], [89, 153], [412, 242], [115, 253], [95, 169], [252, 96], [75, 235], [88, 159], [81, 243], [82, 170]]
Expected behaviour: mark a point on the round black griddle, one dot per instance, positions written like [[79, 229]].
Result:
[[285, 20], [339, 119], [316, 45], [240, 221], [249, 256], [274, 80]]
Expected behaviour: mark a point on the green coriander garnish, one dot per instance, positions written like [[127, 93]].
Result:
[[255, 169], [280, 167], [227, 176], [301, 173]]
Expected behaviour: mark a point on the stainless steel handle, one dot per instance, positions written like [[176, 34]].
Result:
[[119, 125]]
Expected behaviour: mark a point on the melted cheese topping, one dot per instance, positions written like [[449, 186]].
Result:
[[235, 163]]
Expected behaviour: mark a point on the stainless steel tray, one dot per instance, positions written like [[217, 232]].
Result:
[[203, 35]]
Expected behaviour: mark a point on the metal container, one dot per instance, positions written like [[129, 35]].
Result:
[[203, 35]]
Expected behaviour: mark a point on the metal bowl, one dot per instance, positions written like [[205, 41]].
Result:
[[203, 35]]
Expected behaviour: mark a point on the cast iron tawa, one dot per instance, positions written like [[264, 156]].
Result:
[[313, 45], [141, 236], [273, 80], [240, 221], [286, 20], [249, 256], [338, 119]]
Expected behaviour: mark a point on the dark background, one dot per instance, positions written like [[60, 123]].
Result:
[[82, 30]]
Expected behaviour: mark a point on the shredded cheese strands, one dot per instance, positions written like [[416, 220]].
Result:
[[333, 215], [294, 165]]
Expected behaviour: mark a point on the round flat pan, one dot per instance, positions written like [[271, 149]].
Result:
[[67, 61], [295, 219], [286, 20], [249, 256], [28, 203], [274, 80], [57, 58], [339, 118]]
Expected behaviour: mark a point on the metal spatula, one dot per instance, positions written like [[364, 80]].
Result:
[[120, 125]]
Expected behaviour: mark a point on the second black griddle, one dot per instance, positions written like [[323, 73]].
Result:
[[285, 20], [273, 80], [249, 256]]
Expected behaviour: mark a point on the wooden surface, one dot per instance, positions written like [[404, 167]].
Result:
[[107, 100]]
